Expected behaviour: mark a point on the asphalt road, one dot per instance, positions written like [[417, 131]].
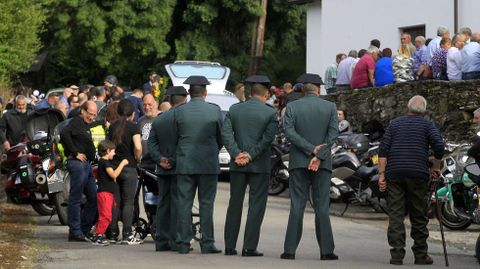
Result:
[[359, 243]]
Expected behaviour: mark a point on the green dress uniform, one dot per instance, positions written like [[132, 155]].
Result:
[[161, 143], [198, 125], [310, 121], [248, 127]]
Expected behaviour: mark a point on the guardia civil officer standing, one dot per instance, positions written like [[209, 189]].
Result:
[[161, 145], [80, 151], [198, 125], [248, 131], [311, 125]]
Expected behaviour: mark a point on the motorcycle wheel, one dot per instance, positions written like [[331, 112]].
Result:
[[451, 221], [275, 185], [477, 249], [140, 229], [42, 208], [197, 232], [59, 201]]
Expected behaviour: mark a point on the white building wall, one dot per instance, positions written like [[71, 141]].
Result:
[[468, 14], [335, 26]]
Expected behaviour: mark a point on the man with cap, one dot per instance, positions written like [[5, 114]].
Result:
[[248, 131], [161, 145], [198, 125], [311, 125]]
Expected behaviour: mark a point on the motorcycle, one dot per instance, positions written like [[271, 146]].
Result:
[[352, 180], [279, 171], [459, 197], [38, 176]]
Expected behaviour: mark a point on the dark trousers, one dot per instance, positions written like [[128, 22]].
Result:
[[82, 182], [166, 216], [207, 190], [471, 75], [257, 202], [128, 182], [407, 194], [299, 183]]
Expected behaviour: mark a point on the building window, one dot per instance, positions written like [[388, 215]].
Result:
[[414, 31]]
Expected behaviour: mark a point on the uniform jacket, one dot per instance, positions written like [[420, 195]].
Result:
[[198, 125], [250, 126], [311, 121], [162, 141]]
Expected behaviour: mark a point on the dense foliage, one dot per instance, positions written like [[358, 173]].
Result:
[[20, 23], [88, 39]]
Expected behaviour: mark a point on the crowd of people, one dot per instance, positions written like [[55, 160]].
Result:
[[182, 139], [440, 58]]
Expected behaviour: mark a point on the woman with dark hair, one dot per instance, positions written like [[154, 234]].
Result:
[[127, 138]]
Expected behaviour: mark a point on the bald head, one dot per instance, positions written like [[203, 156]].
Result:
[[88, 112], [150, 105]]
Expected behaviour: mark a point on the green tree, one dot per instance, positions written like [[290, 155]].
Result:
[[88, 39], [220, 30], [21, 21]]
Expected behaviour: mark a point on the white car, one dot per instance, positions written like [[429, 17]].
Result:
[[217, 75]]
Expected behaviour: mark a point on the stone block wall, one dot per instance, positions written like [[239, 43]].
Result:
[[450, 105]]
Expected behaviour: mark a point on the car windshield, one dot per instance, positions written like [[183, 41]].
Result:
[[206, 70]]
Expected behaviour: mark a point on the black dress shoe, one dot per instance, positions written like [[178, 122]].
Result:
[[213, 250], [76, 238], [427, 260], [251, 253], [287, 256], [165, 248], [230, 251], [328, 257]]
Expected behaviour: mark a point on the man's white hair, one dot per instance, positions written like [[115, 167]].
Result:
[[417, 104], [476, 111], [441, 30]]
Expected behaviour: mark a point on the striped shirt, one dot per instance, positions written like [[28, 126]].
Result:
[[406, 145]]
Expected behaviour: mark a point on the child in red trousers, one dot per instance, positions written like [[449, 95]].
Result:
[[107, 187]]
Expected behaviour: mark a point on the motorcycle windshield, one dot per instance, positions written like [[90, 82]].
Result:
[[43, 120]]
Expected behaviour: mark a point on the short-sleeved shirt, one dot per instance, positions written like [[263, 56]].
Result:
[[145, 125], [360, 73], [384, 72], [420, 58], [439, 64], [105, 183], [330, 76], [125, 150], [454, 64]]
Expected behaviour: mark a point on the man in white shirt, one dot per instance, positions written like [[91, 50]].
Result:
[[344, 74], [454, 58], [442, 31]]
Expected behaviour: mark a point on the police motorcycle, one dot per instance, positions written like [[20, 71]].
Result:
[[279, 167], [352, 176], [459, 197], [39, 174]]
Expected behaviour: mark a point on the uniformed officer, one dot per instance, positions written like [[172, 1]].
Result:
[[161, 145], [311, 125], [198, 125], [248, 131]]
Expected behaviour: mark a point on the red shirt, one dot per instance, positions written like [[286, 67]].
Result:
[[360, 73]]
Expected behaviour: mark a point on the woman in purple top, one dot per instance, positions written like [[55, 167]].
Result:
[[439, 60]]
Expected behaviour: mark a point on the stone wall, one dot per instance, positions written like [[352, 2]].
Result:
[[450, 105]]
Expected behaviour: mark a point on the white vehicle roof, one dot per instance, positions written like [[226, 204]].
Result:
[[217, 74]]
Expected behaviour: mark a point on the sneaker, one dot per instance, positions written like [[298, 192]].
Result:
[[100, 240], [90, 237], [114, 240], [131, 240]]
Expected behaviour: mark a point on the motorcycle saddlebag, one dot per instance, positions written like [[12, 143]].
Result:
[[26, 172]]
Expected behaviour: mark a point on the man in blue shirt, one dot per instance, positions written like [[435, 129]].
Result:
[[384, 70], [404, 173], [50, 102], [471, 59], [420, 58]]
